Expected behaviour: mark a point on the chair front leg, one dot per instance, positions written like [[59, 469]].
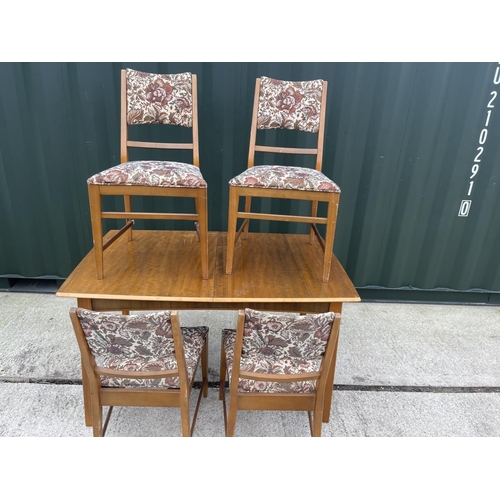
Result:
[[202, 211], [231, 227], [95, 214], [248, 208], [330, 235]]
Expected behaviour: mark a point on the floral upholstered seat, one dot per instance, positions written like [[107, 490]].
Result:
[[281, 177], [140, 343], [151, 173]]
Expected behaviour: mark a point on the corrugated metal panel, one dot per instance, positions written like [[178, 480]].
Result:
[[400, 141], [410, 164]]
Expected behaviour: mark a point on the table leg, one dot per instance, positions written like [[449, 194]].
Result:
[[337, 308]]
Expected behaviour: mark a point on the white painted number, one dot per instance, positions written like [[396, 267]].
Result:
[[464, 208], [490, 105], [488, 118], [496, 79], [480, 149], [483, 136]]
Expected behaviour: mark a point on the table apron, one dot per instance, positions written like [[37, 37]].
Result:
[[157, 305]]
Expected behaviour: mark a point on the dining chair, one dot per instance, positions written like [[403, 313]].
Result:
[[278, 361], [286, 105], [149, 98], [144, 359]]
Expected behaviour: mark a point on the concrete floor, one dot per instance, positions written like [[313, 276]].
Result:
[[403, 370]]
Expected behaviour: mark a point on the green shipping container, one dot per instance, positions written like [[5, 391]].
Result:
[[413, 146]]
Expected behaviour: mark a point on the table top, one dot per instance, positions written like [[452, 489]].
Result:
[[165, 266]]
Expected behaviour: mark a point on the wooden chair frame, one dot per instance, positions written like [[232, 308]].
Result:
[[118, 396], [332, 199], [97, 191], [312, 403]]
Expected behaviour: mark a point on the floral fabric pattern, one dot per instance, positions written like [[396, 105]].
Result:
[[279, 335], [141, 342], [155, 98], [279, 344], [268, 364], [289, 105], [280, 177], [151, 173]]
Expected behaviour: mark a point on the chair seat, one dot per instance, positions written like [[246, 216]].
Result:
[[193, 341], [151, 173], [263, 363], [281, 177]]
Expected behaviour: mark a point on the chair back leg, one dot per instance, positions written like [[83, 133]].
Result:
[[97, 416], [318, 415], [127, 202], [204, 369], [314, 213], [184, 407], [231, 417], [222, 372]]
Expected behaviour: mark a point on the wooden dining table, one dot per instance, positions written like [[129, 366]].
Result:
[[161, 270]]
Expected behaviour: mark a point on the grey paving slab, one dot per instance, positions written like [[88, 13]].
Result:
[[419, 344], [36, 410], [36, 337], [379, 414], [399, 414], [380, 344]]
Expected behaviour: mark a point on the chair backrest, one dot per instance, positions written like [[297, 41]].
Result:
[[125, 350], [264, 336], [151, 98], [288, 105]]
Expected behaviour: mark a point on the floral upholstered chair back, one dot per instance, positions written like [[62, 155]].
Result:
[[286, 335], [279, 343], [289, 105], [143, 342], [162, 99]]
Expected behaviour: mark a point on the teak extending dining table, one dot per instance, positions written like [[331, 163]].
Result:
[[161, 270]]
